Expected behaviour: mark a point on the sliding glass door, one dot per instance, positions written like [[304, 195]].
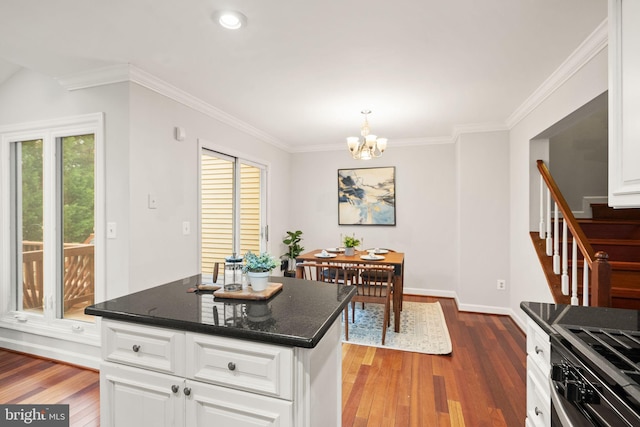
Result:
[[232, 201]]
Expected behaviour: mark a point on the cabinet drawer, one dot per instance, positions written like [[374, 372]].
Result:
[[538, 346], [255, 367], [538, 402], [147, 347]]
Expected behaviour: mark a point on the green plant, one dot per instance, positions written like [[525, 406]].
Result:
[[351, 242], [293, 242], [259, 263]]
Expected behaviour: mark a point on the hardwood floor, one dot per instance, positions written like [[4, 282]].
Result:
[[482, 383], [29, 380]]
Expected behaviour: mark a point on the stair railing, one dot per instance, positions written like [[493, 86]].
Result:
[[596, 262]]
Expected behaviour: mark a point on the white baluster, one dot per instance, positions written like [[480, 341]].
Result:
[[556, 240], [549, 236], [565, 250], [574, 273], [541, 226], [585, 283]]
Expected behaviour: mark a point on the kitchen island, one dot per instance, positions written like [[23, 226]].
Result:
[[176, 357]]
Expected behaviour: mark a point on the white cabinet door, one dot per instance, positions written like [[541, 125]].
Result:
[[131, 397], [210, 405], [624, 103]]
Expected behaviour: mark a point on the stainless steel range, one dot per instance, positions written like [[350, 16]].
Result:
[[595, 376]]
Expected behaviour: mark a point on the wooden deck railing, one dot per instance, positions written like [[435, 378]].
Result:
[[596, 262], [78, 276]]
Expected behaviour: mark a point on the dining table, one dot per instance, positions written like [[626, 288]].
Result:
[[337, 256]]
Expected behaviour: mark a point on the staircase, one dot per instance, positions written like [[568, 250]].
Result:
[[615, 232]]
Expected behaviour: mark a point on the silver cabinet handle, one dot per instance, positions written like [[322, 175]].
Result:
[[175, 388], [539, 350], [231, 366], [136, 348], [187, 391]]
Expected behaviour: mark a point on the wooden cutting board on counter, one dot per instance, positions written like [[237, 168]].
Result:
[[249, 294]]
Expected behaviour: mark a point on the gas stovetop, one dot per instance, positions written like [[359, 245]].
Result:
[[614, 354]]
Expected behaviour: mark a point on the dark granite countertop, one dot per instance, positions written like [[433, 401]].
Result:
[[548, 315], [299, 315]]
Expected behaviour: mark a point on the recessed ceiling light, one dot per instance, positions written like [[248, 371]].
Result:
[[230, 19]]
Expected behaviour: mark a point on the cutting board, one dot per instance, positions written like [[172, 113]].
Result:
[[249, 294]]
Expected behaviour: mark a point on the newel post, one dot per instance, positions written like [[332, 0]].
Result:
[[601, 281]]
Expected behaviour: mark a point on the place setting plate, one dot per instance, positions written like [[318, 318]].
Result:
[[380, 251], [372, 257], [335, 250], [327, 255]]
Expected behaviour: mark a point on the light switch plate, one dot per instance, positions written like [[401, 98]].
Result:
[[111, 230]]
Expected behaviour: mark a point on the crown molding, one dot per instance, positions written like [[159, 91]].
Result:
[[590, 47], [400, 142], [95, 77], [131, 73], [155, 84]]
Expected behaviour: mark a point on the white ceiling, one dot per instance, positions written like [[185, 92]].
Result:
[[301, 71]]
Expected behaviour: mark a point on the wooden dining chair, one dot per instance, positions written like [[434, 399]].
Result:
[[330, 273], [374, 284]]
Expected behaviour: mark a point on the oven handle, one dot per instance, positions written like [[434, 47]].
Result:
[[558, 405]]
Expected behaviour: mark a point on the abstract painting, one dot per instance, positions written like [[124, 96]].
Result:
[[367, 196]]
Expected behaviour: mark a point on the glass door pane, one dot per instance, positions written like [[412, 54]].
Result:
[[27, 183], [78, 213], [250, 208], [217, 209]]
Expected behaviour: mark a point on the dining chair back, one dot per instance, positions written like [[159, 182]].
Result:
[[329, 273], [374, 284]]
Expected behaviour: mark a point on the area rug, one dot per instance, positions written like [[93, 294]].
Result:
[[422, 328]]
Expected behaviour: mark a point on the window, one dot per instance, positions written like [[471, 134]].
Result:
[[231, 207], [50, 186]]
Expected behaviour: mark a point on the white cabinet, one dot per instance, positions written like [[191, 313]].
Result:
[[163, 377], [538, 368], [624, 103], [132, 397]]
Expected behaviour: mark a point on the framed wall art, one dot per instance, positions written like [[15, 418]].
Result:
[[367, 196]]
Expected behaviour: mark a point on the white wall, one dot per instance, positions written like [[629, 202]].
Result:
[[142, 157], [527, 280], [483, 192], [426, 203], [27, 97], [168, 169]]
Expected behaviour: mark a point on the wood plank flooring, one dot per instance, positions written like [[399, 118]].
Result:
[[481, 384], [29, 380]]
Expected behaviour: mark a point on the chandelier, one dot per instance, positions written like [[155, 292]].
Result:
[[369, 146]]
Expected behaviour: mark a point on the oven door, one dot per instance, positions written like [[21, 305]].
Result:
[[579, 398], [565, 413]]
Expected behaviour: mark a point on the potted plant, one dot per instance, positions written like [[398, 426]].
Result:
[[350, 243], [258, 268], [292, 241]]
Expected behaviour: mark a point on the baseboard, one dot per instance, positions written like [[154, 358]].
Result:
[[473, 308], [74, 357], [430, 293]]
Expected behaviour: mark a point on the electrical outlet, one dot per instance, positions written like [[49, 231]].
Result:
[[502, 285]]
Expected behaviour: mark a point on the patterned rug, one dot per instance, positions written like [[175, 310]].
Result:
[[422, 328]]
